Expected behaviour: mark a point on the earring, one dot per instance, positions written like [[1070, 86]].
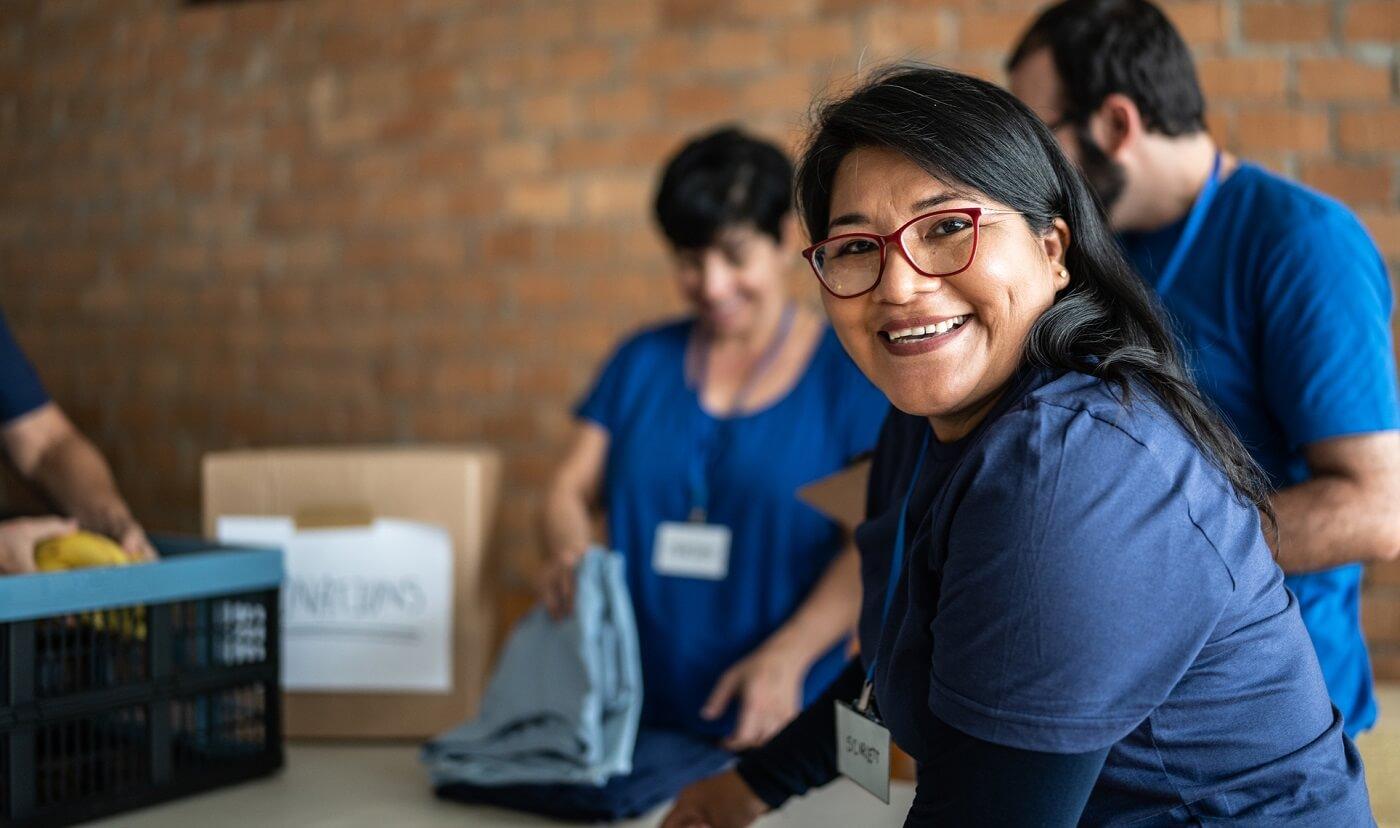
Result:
[[1064, 272]]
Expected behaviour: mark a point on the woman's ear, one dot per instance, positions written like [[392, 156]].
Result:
[[1055, 243]]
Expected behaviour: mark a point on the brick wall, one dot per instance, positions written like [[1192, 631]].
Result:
[[344, 221]]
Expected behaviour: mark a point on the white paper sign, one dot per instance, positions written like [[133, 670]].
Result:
[[364, 608]]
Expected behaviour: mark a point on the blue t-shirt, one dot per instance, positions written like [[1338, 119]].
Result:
[[692, 630], [1283, 306], [20, 389], [1079, 576]]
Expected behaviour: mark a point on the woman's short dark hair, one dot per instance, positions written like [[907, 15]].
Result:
[[972, 135], [723, 179], [1129, 47]]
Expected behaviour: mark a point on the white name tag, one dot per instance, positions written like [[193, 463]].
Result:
[[692, 550], [863, 751]]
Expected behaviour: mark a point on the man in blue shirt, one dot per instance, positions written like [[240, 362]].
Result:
[[1281, 299], [50, 452]]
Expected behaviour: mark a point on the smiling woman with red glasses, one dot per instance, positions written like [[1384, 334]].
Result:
[[1070, 612]]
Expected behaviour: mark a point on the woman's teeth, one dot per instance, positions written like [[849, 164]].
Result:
[[924, 331]]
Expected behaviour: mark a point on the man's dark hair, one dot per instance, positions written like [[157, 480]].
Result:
[[720, 180], [1125, 46]]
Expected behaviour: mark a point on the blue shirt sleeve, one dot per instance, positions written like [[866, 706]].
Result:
[[606, 401], [1327, 362], [1076, 591], [20, 389]]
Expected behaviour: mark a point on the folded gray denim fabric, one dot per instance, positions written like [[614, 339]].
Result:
[[566, 698]]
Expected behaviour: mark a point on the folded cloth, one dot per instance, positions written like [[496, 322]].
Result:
[[566, 698], [664, 762]]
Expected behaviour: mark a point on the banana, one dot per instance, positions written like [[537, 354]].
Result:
[[86, 549], [78, 551]]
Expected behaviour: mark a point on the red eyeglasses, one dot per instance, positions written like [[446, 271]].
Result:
[[941, 243]]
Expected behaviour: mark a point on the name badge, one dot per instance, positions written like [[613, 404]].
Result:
[[691, 550], [863, 751]]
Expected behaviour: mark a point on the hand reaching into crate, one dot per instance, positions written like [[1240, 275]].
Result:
[[20, 536]]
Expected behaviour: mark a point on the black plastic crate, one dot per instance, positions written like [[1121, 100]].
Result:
[[126, 686]]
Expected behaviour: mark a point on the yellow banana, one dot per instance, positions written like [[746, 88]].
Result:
[[86, 549], [77, 551]]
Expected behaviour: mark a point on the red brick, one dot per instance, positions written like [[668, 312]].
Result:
[[734, 50], [1243, 79], [1281, 129], [1384, 226], [617, 195], [1353, 183], [1372, 20], [992, 31], [1369, 130], [1201, 22], [828, 42], [545, 200], [630, 105], [664, 56], [686, 13], [703, 100], [621, 17], [907, 33], [580, 65], [1271, 22], [787, 92], [1338, 79], [547, 111]]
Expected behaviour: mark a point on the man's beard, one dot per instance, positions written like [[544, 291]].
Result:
[[1105, 176]]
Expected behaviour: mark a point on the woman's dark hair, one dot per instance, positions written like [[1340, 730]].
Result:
[[1101, 47], [972, 135], [719, 180]]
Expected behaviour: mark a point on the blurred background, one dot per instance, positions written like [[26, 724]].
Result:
[[228, 224]]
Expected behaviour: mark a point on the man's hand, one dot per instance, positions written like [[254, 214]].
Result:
[[19, 536], [768, 684], [721, 801]]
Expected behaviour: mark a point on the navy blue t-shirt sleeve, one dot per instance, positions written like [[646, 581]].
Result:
[[1327, 362], [20, 389], [1076, 590]]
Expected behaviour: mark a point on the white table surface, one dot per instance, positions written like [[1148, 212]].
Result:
[[383, 785]]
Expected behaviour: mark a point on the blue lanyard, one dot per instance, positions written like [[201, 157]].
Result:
[[1194, 221], [712, 448], [896, 566]]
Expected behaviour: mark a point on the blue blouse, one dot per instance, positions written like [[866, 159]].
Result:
[[692, 630]]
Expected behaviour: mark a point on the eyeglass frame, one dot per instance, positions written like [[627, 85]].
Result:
[[975, 213]]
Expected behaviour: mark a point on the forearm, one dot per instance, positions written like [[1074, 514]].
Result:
[[828, 614], [74, 475], [968, 781], [1330, 521], [803, 755], [566, 522]]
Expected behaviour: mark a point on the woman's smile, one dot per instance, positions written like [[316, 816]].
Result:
[[910, 337]]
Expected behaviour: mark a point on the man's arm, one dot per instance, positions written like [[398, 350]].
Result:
[[1348, 512], [49, 451]]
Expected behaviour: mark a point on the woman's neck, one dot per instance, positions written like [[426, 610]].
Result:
[[757, 337], [956, 425]]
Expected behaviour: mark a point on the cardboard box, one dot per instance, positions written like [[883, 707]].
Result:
[[452, 487], [841, 494]]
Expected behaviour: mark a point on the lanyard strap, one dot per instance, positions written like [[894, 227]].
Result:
[[896, 568], [1194, 221], [713, 448]]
